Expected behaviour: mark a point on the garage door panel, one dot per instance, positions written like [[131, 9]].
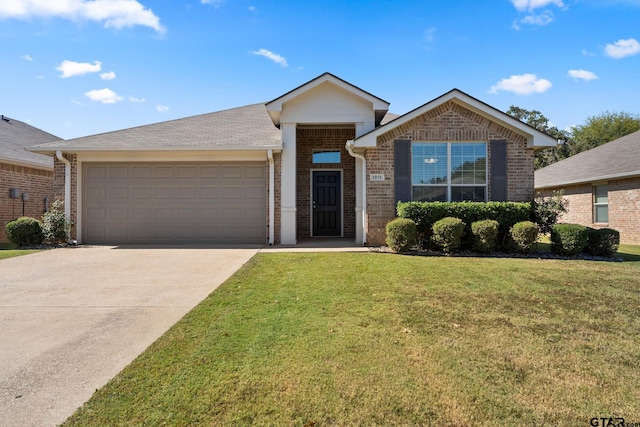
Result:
[[141, 213], [118, 193], [187, 193], [140, 192], [174, 202], [118, 172]]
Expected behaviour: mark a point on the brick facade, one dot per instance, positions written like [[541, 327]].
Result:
[[307, 140], [624, 206], [37, 183], [447, 122]]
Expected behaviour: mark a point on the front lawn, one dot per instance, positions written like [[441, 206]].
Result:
[[379, 339], [8, 250]]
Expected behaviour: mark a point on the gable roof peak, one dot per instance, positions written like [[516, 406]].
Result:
[[274, 107]]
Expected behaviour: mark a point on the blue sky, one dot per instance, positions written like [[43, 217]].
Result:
[[80, 67]]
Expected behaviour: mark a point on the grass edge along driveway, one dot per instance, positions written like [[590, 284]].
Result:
[[379, 339]]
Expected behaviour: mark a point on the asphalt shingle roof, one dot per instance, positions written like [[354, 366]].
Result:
[[248, 127], [15, 136], [615, 159]]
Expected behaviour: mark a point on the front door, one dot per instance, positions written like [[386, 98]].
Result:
[[326, 203]]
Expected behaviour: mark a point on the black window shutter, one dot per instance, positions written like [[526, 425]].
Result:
[[499, 170], [402, 170]]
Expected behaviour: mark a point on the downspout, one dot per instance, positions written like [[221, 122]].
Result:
[[365, 226], [67, 186], [272, 198]]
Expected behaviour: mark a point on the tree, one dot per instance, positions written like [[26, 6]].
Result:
[[537, 120], [601, 129], [596, 130]]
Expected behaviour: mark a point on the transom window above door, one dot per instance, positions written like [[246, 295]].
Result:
[[326, 156], [449, 171]]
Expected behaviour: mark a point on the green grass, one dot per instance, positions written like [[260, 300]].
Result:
[[8, 250], [381, 339]]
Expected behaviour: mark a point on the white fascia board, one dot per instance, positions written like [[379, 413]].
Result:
[[623, 175], [217, 148], [27, 164], [535, 138]]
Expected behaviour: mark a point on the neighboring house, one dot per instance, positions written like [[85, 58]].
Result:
[[602, 186], [26, 179], [323, 160]]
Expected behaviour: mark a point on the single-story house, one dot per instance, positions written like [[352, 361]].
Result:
[[26, 179], [325, 159], [602, 186]]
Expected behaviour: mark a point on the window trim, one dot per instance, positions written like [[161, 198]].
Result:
[[596, 204], [449, 184]]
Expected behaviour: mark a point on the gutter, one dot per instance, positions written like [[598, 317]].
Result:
[[365, 226], [67, 186], [272, 197]]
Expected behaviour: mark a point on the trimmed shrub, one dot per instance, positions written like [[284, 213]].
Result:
[[401, 234], [568, 239], [485, 233], [524, 236], [602, 242], [447, 233], [25, 231], [425, 214], [54, 224]]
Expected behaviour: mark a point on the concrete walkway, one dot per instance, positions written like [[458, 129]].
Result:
[[72, 318]]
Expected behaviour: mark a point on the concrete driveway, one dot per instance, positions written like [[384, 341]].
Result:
[[72, 318]]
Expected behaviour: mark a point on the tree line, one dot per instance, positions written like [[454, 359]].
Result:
[[596, 130]]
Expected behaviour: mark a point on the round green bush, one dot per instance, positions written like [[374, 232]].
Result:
[[602, 242], [25, 231], [447, 233], [524, 236], [402, 234], [485, 234], [568, 239]]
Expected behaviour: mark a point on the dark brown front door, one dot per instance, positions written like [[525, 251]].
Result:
[[327, 203]]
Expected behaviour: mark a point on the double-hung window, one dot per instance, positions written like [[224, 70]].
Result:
[[601, 204], [449, 171]]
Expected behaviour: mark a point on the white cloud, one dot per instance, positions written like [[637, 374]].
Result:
[[70, 68], [429, 37], [585, 52], [622, 48], [216, 3], [272, 56], [137, 100], [524, 84], [524, 5], [113, 13], [252, 9], [542, 19], [108, 76], [162, 108], [26, 58], [105, 96], [582, 75]]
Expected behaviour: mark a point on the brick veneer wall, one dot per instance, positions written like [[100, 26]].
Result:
[[58, 176], [307, 140], [37, 183], [277, 166], [624, 207], [447, 122]]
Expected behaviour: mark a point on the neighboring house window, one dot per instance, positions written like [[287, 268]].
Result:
[[601, 204], [324, 156], [449, 171]]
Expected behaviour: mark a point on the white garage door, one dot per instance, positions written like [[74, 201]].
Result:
[[141, 203]]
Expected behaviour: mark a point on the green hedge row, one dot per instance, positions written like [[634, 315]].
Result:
[[425, 214]]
